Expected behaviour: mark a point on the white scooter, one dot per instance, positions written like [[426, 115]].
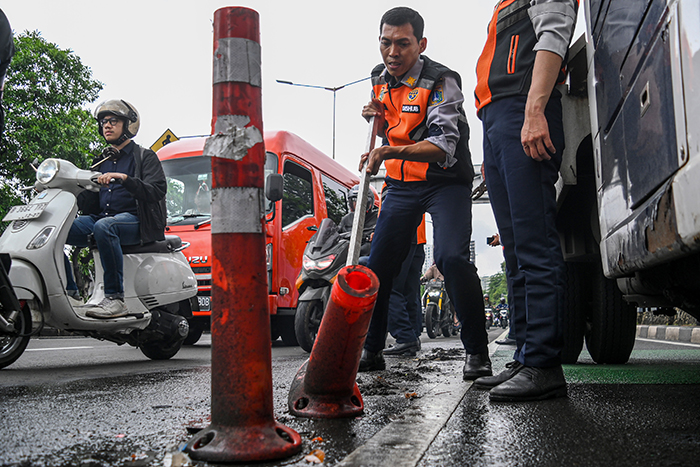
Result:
[[158, 282]]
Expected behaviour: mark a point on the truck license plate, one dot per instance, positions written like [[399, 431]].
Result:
[[204, 303]]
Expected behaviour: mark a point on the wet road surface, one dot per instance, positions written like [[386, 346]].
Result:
[[135, 411]]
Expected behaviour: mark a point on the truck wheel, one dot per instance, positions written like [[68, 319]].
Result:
[[611, 327], [11, 347], [307, 321], [286, 328], [432, 320], [574, 311]]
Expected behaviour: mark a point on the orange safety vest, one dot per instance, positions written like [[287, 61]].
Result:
[[405, 123], [505, 66]]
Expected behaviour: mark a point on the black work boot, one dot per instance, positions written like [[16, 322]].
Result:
[[371, 361], [488, 382], [477, 365], [531, 384], [408, 348]]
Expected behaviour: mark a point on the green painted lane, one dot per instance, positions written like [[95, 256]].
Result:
[[679, 365]]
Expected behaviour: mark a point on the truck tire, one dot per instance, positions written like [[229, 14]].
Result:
[[286, 328], [574, 311], [611, 326]]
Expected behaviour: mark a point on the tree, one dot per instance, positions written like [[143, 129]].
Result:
[[498, 287], [46, 91]]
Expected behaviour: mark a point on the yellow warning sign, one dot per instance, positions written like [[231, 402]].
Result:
[[166, 138]]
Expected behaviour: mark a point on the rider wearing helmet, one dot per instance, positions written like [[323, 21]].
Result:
[[370, 217], [129, 208]]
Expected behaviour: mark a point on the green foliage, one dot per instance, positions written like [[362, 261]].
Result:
[[45, 93], [498, 287]]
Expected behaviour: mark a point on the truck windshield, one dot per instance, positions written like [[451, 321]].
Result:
[[189, 188]]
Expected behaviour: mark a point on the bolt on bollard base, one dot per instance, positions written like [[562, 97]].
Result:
[[325, 386]]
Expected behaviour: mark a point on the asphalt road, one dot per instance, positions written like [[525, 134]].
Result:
[[90, 403]]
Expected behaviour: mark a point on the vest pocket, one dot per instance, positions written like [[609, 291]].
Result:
[[512, 54]]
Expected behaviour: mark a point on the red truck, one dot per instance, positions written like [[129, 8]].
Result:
[[315, 187]]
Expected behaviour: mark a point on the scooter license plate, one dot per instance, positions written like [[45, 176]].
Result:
[[25, 212], [204, 303]]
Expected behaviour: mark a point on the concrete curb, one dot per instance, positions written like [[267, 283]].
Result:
[[690, 334]]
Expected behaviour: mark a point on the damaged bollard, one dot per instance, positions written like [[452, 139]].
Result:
[[325, 386], [243, 427]]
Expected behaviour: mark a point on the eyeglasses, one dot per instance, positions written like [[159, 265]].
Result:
[[112, 121]]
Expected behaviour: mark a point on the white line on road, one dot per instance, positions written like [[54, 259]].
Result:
[[58, 348], [663, 341]]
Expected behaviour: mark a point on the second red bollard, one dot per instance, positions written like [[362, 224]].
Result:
[[325, 386]]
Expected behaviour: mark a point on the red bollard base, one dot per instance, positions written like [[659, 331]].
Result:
[[303, 404], [218, 443], [325, 386]]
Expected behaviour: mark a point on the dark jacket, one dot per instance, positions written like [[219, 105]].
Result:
[[148, 186]]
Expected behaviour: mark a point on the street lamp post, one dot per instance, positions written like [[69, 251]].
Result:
[[333, 89]]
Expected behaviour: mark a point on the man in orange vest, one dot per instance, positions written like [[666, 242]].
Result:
[[429, 169], [523, 141]]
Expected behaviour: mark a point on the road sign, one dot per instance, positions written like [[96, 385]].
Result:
[[167, 137]]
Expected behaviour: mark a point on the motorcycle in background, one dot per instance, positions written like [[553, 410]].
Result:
[[158, 281], [488, 313], [438, 311]]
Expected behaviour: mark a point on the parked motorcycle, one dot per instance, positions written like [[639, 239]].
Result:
[[437, 310], [158, 281]]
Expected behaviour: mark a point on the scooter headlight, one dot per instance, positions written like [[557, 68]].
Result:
[[47, 171], [318, 264], [41, 238]]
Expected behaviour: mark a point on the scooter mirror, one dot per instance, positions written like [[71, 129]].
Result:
[[274, 187]]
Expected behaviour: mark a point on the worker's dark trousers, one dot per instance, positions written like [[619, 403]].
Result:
[[523, 198], [404, 303], [450, 209]]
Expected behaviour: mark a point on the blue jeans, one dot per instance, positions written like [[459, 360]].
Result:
[[402, 211], [110, 234], [523, 198]]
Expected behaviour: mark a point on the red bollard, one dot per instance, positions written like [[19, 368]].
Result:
[[243, 427], [325, 386]]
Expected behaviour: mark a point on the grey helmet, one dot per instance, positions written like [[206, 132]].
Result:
[[122, 109], [352, 198]]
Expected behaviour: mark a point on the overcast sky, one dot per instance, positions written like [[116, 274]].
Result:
[[157, 55]]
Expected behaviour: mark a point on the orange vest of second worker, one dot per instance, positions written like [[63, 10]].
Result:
[[405, 113], [505, 66]]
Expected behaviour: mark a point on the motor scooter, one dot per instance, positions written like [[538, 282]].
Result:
[[158, 282], [325, 254], [488, 313], [503, 317]]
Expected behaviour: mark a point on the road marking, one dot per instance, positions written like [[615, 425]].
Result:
[[58, 348], [663, 341]]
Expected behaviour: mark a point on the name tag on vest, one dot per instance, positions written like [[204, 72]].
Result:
[[410, 109]]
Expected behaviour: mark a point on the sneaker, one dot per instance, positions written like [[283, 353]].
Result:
[[506, 341], [107, 308]]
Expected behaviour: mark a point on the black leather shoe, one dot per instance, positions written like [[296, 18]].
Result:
[[506, 341], [531, 384], [371, 361], [488, 382], [409, 349], [477, 365]]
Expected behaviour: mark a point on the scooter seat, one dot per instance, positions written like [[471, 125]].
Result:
[[171, 243]]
